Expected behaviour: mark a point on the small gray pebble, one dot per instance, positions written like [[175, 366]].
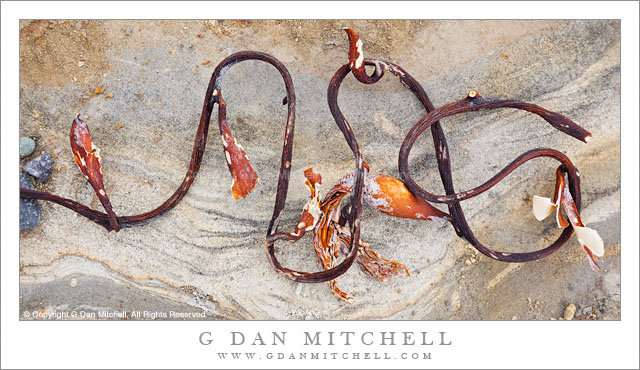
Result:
[[30, 212], [39, 167], [586, 310], [24, 182], [27, 146], [128, 30]]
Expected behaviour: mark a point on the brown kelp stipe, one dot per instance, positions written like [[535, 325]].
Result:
[[474, 102], [244, 177], [328, 217]]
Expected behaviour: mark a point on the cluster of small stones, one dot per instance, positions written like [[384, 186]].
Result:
[[591, 312], [39, 168]]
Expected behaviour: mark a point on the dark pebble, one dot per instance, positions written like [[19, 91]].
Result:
[[29, 208], [39, 167], [27, 146]]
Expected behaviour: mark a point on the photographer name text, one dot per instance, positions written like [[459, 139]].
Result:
[[330, 338]]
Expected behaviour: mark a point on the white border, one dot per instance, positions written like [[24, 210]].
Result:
[[175, 344]]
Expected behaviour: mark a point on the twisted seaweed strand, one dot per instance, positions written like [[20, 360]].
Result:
[[352, 213]]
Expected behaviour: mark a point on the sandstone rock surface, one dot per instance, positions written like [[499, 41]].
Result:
[[208, 252]]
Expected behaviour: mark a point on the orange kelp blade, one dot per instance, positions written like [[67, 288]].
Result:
[[543, 207], [391, 196], [329, 238], [588, 238], [244, 176], [87, 157], [356, 60], [311, 213]]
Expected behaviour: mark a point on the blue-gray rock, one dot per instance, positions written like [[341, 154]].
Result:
[[39, 167], [29, 208], [27, 146]]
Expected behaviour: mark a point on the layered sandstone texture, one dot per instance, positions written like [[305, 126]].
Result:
[[140, 85]]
